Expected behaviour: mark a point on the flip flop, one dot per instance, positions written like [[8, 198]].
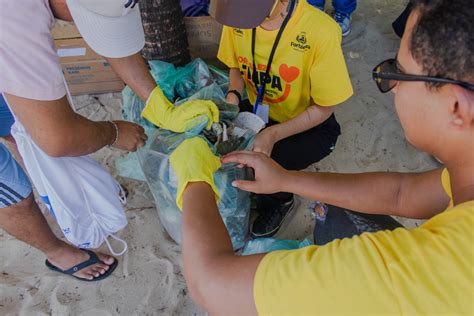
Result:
[[93, 259]]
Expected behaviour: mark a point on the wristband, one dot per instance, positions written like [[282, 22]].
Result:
[[236, 93], [116, 132]]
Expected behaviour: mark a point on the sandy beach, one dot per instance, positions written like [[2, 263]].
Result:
[[149, 279]]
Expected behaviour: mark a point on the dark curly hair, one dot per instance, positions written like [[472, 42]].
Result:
[[442, 40]]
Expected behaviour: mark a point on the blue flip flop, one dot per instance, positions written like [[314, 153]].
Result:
[[93, 259]]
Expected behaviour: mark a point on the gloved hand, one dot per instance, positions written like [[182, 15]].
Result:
[[193, 161], [161, 112]]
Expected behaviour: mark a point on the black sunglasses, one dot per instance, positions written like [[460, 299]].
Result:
[[386, 74]]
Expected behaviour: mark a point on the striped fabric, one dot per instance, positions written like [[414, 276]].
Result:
[[9, 196]]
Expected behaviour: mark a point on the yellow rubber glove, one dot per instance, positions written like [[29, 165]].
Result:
[[161, 112], [193, 161]]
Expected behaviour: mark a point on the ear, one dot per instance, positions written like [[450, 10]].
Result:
[[463, 110]]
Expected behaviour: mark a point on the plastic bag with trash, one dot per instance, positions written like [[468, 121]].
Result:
[[223, 138], [263, 245], [177, 84]]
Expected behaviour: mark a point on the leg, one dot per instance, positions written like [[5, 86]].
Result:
[[317, 3], [343, 14], [293, 153], [344, 6], [21, 218], [333, 222]]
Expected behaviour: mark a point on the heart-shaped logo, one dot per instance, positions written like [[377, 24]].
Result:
[[288, 73]]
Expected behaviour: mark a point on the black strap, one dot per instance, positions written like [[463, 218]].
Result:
[[236, 93], [266, 77]]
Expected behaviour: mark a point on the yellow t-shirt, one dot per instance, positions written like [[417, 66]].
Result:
[[424, 271], [308, 62]]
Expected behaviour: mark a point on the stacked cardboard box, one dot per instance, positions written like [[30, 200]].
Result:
[[85, 71], [89, 73], [204, 35]]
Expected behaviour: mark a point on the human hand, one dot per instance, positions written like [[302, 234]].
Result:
[[231, 98], [264, 142], [193, 161], [161, 112], [269, 176], [130, 136]]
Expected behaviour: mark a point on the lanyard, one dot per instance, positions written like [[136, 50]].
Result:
[[266, 77]]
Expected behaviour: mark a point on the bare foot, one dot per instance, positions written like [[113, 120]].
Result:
[[67, 257]]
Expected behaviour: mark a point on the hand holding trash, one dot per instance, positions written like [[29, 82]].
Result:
[[129, 136], [161, 112], [193, 161], [269, 175]]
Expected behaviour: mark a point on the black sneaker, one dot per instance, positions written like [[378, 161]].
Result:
[[270, 220]]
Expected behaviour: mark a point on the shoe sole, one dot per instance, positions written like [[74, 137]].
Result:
[[346, 33], [276, 229]]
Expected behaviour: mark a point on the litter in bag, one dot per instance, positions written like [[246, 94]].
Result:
[[176, 83], [234, 205], [195, 81]]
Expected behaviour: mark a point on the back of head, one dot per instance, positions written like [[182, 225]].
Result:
[[442, 41]]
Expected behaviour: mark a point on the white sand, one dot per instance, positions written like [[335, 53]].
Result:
[[149, 279]]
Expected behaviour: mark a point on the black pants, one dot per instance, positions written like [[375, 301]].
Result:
[[338, 223], [299, 151]]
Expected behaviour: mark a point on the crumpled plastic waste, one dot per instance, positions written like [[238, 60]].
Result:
[[234, 205], [210, 81], [264, 245], [183, 82], [202, 83]]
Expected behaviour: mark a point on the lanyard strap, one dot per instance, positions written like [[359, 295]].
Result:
[[261, 87]]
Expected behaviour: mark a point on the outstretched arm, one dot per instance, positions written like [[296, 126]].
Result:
[[59, 131], [414, 195], [311, 117], [218, 280], [135, 73]]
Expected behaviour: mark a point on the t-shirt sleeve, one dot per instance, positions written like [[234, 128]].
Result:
[[226, 52], [330, 82], [388, 272], [29, 64]]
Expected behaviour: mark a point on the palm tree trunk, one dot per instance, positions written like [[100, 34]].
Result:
[[165, 32]]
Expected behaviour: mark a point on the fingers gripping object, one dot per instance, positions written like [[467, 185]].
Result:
[[193, 161], [161, 112]]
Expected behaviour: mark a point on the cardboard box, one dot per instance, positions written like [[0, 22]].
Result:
[[85, 71], [204, 36]]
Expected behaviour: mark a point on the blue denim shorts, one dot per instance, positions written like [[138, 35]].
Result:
[[14, 183]]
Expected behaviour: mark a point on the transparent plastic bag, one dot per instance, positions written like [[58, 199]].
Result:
[[234, 206], [264, 245], [195, 81], [182, 82]]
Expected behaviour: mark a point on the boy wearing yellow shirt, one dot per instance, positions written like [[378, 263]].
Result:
[[422, 271], [298, 49]]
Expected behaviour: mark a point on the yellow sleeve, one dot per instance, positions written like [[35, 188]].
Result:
[[226, 52], [330, 82], [384, 273]]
